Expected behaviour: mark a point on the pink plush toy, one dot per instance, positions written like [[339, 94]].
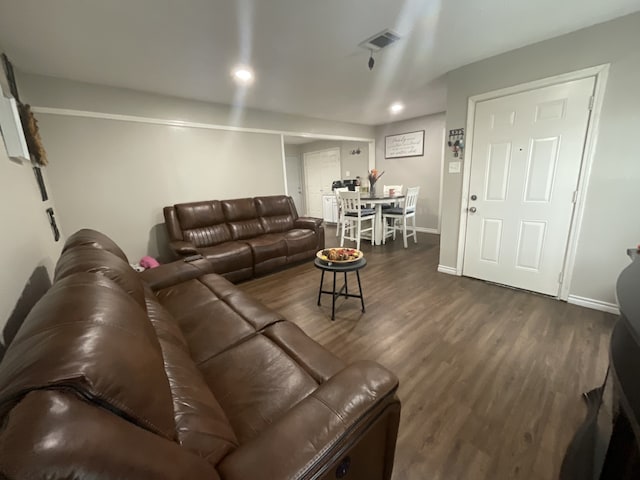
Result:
[[149, 262]]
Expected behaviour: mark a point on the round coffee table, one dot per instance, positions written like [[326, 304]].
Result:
[[336, 268]]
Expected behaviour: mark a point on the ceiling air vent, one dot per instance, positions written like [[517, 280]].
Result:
[[380, 40]]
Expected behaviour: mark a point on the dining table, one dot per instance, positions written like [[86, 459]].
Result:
[[378, 201]]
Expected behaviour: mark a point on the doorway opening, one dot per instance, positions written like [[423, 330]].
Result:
[[313, 163]]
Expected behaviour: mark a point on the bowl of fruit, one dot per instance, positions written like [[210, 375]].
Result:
[[339, 255]]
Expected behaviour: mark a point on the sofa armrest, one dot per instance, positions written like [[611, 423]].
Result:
[[176, 272], [319, 431], [182, 247], [311, 223]]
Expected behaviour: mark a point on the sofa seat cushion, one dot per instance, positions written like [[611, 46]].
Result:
[[256, 382], [229, 256], [300, 240], [266, 247], [214, 315]]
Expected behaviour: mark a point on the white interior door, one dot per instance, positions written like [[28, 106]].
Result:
[[320, 170], [525, 164], [294, 182]]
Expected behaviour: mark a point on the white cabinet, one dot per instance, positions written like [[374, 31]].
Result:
[[330, 208]]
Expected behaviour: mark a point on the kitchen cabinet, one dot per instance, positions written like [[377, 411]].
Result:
[[330, 208]]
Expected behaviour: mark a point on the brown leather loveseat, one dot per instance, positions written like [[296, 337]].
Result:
[[178, 374], [243, 237]]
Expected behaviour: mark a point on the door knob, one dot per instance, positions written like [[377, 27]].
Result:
[[473, 209], [474, 197]]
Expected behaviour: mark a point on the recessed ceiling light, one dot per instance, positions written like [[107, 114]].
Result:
[[396, 107], [243, 75]]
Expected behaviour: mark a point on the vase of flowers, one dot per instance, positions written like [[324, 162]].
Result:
[[374, 175]]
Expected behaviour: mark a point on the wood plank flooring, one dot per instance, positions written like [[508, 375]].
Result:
[[490, 378]]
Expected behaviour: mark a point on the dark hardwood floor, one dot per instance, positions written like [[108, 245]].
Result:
[[490, 377]]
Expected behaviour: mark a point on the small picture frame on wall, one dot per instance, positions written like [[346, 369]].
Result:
[[403, 145]]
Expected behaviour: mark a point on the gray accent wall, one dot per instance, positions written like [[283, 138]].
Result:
[[27, 250], [116, 175], [424, 171], [610, 222], [45, 91]]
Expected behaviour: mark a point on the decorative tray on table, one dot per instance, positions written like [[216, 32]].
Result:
[[339, 255]]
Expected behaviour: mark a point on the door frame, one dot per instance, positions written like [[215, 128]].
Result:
[[319, 136], [303, 194], [304, 170], [601, 73]]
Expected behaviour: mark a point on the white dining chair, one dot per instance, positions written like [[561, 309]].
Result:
[[339, 221], [408, 210], [354, 216], [397, 189]]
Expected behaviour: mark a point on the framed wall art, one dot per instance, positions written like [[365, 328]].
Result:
[[409, 144]]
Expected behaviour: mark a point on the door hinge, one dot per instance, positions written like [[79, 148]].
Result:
[[574, 199], [560, 277], [592, 100]]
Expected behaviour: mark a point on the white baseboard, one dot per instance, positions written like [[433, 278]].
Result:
[[594, 304], [447, 270], [427, 230]]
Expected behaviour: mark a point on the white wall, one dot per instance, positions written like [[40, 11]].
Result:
[[26, 242], [610, 224], [423, 171], [116, 175]]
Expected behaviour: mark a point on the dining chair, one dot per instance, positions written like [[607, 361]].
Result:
[[354, 215], [397, 189], [339, 221], [408, 210]]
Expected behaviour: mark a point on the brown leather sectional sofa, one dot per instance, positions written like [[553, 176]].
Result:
[[176, 373], [244, 237]]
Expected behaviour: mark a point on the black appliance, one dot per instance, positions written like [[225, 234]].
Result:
[[350, 184]]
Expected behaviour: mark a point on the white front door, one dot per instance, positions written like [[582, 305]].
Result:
[[294, 182], [320, 170], [525, 163]]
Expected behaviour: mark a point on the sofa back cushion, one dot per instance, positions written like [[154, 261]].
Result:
[[87, 336], [57, 435], [202, 223], [242, 217], [88, 258], [275, 213], [92, 238]]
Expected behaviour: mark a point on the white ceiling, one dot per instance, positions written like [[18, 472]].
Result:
[[305, 53]]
